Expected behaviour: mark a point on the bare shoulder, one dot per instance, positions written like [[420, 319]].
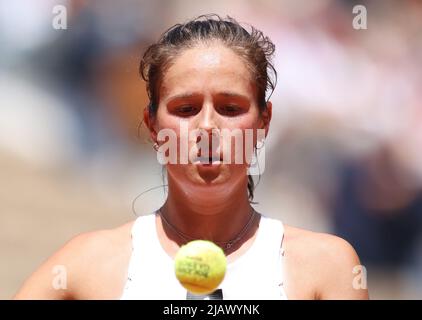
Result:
[[326, 265], [309, 244], [91, 265]]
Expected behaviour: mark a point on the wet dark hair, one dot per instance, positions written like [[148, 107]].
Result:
[[255, 48]]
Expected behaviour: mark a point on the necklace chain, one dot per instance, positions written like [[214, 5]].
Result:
[[224, 244]]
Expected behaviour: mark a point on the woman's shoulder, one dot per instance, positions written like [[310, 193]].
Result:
[[98, 245], [326, 263], [100, 241], [310, 242], [83, 263], [99, 255]]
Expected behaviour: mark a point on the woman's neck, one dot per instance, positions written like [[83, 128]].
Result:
[[215, 213]]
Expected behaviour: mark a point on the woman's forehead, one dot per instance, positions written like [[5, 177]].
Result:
[[209, 55], [206, 68]]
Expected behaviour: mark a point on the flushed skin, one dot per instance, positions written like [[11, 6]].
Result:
[[201, 200]]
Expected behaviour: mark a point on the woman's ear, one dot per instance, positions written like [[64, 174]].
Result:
[[266, 117], [150, 123]]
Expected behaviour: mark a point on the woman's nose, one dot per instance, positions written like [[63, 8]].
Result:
[[208, 125], [207, 118]]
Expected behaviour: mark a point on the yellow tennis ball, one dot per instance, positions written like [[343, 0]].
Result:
[[200, 266]]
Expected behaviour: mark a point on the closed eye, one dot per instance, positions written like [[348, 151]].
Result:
[[230, 110], [187, 110]]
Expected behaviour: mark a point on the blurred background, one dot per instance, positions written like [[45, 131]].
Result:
[[344, 152]]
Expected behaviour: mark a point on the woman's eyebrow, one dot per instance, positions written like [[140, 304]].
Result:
[[188, 95], [230, 94], [193, 95]]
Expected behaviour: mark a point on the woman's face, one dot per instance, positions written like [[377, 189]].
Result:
[[206, 88]]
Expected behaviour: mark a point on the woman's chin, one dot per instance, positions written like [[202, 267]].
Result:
[[208, 176]]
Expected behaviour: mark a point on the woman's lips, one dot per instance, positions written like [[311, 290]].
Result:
[[208, 161]]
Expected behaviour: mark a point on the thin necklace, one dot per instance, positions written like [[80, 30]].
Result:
[[226, 245]]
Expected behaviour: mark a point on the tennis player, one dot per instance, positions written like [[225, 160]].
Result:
[[207, 75]]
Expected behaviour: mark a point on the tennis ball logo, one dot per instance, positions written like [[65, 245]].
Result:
[[200, 266]]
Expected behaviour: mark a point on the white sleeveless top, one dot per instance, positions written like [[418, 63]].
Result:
[[257, 274]]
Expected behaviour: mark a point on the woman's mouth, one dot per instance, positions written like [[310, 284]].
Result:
[[208, 161]]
